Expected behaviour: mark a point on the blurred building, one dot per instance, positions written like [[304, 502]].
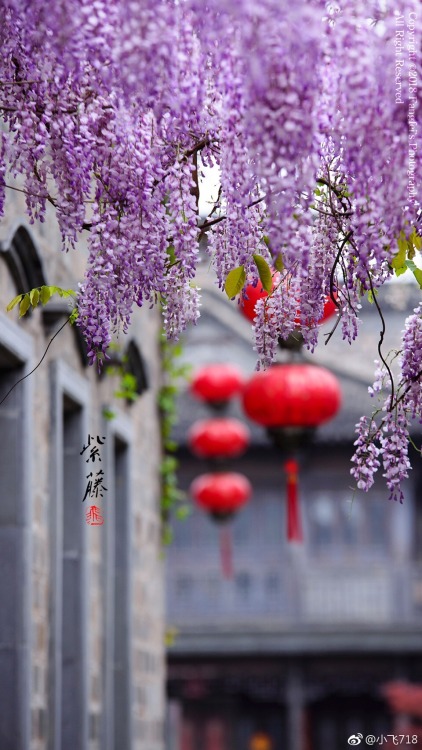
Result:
[[292, 652], [81, 617]]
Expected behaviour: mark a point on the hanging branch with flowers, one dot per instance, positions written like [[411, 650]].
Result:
[[309, 111]]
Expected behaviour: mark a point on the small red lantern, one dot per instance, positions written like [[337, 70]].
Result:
[[292, 395], [289, 400], [217, 383], [222, 494], [221, 437]]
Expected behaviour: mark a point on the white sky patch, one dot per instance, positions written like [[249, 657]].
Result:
[[209, 183]]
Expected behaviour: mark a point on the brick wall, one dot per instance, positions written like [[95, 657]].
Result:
[[47, 510]]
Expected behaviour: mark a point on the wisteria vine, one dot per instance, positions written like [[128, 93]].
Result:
[[308, 109]]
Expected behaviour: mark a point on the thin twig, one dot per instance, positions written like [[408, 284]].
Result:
[[16, 83], [208, 224], [25, 192], [36, 366], [381, 339], [333, 330], [346, 238]]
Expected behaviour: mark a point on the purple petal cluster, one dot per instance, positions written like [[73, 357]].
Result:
[[307, 109], [394, 448], [386, 435], [275, 318], [366, 458], [388, 442], [411, 364]]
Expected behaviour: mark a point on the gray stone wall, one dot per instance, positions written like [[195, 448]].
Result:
[[61, 639]]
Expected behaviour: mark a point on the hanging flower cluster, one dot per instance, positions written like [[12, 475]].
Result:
[[309, 111], [384, 438]]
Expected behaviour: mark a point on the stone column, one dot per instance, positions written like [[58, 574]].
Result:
[[295, 704]]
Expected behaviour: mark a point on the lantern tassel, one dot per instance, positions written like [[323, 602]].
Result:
[[294, 523], [226, 551]]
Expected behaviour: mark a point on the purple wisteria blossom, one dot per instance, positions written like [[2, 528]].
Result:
[[109, 109], [386, 436]]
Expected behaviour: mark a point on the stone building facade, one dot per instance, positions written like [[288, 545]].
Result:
[[81, 616]]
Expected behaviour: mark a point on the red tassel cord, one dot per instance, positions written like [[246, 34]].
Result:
[[226, 551], [294, 523]]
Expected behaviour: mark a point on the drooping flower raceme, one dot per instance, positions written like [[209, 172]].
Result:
[[386, 435], [308, 109]]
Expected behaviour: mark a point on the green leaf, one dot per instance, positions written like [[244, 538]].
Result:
[[45, 294], [73, 316], [417, 272], [399, 260], [171, 254], [34, 296], [411, 252], [14, 302], [108, 414], [264, 272], [415, 239], [128, 387], [24, 305], [279, 264], [182, 512], [235, 281], [167, 535], [129, 381], [400, 271], [63, 292], [127, 395]]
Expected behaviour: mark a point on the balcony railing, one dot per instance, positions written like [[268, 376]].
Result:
[[298, 592]]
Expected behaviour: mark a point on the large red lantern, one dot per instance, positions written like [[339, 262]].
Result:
[[290, 400], [222, 494], [221, 437], [292, 395], [330, 307], [254, 292], [217, 383], [250, 296]]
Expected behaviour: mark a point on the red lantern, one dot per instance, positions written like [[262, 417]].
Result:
[[330, 308], [250, 296], [292, 395], [252, 293], [298, 396], [222, 494], [218, 438], [217, 383]]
